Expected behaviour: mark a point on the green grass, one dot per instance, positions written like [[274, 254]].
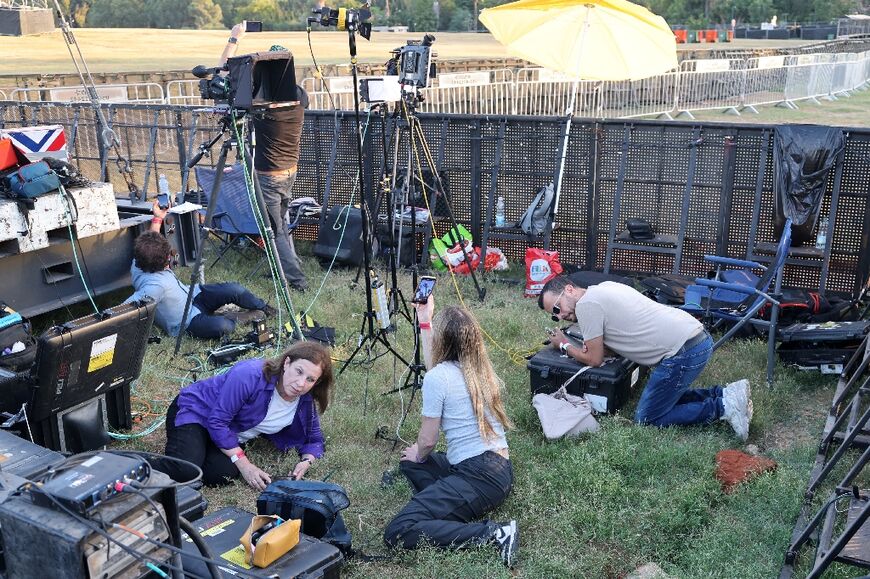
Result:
[[599, 506], [135, 50]]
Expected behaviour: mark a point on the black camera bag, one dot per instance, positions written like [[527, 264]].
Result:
[[14, 328], [347, 249], [639, 229]]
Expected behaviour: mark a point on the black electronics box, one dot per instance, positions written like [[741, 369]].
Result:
[[85, 485], [191, 503], [606, 387], [222, 530], [26, 459], [40, 542], [90, 356], [827, 346]]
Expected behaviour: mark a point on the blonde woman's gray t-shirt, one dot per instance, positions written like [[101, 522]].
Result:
[[446, 396], [634, 326]]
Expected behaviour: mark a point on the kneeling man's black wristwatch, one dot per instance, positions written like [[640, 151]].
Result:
[[563, 347]]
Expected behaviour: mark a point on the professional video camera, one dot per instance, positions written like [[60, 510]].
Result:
[[344, 19], [413, 62], [258, 80]]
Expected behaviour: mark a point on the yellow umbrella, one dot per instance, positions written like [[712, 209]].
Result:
[[588, 39]]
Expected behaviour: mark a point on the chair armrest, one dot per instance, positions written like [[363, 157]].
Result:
[[716, 284], [733, 262]]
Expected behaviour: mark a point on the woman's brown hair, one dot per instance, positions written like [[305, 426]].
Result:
[[457, 337], [314, 353]]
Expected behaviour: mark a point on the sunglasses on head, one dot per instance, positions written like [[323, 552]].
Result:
[[556, 309]]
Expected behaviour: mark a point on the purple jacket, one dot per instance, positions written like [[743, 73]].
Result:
[[237, 401]]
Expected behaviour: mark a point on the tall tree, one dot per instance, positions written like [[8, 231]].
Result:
[[205, 14]]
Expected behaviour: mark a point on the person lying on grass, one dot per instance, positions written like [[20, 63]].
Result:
[[210, 421], [462, 397], [669, 340]]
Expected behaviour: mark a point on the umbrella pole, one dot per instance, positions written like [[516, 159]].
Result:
[[570, 117]]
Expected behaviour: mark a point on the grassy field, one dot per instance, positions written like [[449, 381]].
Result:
[[133, 50], [849, 111], [598, 506]]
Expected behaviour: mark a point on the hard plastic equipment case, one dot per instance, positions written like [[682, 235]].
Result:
[[826, 346], [222, 530], [606, 387], [191, 503]]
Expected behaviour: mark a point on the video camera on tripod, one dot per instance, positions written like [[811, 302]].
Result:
[[251, 81], [413, 62]]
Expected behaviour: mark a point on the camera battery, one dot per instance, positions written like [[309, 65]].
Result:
[[606, 387]]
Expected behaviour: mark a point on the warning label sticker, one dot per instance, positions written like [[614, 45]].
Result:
[[102, 352]]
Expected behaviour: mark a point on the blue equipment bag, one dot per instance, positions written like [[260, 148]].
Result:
[[33, 180], [317, 504]]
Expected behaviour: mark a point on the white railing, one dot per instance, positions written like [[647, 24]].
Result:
[[724, 84], [710, 84], [143, 92]]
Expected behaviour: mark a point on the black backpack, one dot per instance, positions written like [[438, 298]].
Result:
[[13, 329], [318, 504]]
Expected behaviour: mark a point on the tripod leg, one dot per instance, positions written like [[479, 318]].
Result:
[[196, 273]]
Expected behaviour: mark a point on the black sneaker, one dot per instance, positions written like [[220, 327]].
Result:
[[507, 537]]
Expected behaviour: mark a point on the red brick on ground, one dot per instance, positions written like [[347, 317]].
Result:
[[734, 467]]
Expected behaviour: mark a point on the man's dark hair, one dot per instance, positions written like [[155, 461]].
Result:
[[555, 285], [151, 252]]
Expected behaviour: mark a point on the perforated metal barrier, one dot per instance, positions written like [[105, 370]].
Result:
[[730, 195]]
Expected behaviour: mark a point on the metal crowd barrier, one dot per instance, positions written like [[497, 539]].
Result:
[[730, 84], [143, 92]]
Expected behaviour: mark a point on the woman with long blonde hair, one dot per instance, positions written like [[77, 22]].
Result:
[[462, 397]]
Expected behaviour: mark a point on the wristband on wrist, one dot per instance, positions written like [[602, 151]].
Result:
[[306, 459], [156, 220], [425, 325], [237, 457], [232, 40]]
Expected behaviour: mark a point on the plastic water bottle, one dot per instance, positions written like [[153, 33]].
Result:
[[163, 185], [499, 212], [822, 235]]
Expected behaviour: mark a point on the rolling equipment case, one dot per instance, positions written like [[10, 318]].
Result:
[[222, 530], [826, 346], [606, 387]]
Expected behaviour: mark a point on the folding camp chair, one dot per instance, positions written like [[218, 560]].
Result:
[[233, 220], [765, 291]]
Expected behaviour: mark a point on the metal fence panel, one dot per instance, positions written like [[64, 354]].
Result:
[[710, 84], [144, 92]]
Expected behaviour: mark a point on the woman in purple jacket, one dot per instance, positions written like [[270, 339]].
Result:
[[209, 421]]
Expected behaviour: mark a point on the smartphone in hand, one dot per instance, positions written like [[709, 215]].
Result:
[[163, 201], [253, 26], [424, 289]]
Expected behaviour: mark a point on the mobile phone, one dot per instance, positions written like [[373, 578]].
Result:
[[163, 201], [424, 289], [253, 26]]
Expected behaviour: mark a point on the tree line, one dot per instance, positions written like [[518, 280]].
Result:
[[422, 15]]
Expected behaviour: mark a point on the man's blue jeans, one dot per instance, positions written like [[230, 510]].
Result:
[[668, 400], [213, 296]]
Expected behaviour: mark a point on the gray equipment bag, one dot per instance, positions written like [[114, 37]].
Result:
[[534, 220]]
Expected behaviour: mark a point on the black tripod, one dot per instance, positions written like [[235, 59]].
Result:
[[230, 123], [369, 336]]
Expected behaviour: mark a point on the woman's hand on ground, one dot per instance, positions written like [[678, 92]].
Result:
[[300, 469], [255, 477]]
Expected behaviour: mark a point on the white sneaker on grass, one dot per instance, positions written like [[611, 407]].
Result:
[[738, 407], [507, 537]]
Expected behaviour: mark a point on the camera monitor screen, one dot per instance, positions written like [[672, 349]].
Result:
[[90, 356]]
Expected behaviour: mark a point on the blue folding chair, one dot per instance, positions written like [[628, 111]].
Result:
[[233, 221], [756, 297]]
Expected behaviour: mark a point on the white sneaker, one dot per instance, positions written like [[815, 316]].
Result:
[[738, 407], [507, 537]]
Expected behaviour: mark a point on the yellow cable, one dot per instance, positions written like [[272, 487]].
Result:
[[517, 357]]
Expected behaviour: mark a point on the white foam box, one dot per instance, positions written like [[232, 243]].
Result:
[[93, 211]]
